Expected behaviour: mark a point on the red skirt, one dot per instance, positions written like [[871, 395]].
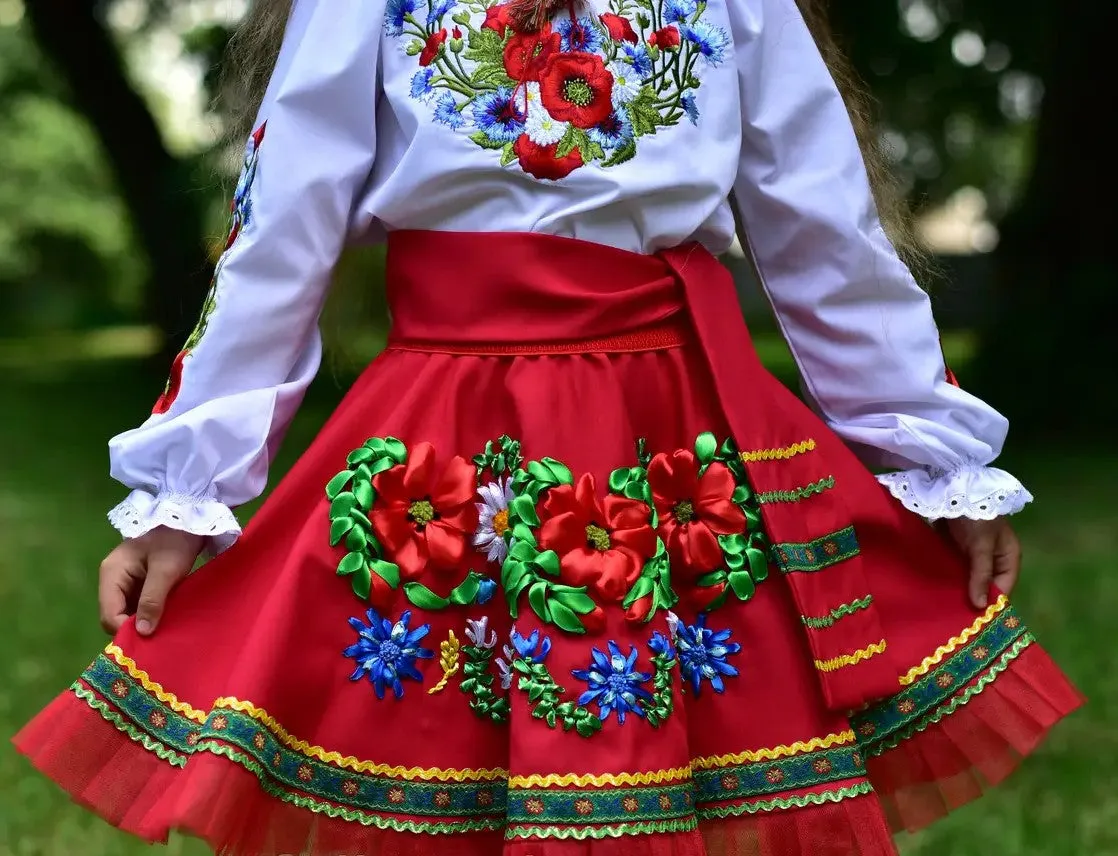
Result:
[[524, 595]]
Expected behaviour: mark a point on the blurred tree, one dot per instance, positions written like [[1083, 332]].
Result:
[[155, 185]]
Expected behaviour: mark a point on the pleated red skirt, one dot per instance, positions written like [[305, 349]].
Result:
[[521, 597]]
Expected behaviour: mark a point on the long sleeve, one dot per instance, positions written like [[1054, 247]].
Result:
[[859, 327], [237, 384]]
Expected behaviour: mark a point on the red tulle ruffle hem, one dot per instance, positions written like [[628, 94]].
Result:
[[936, 770]]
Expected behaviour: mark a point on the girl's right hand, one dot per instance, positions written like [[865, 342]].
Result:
[[138, 575]]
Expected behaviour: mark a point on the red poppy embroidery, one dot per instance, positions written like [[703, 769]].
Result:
[[577, 88], [425, 518], [602, 544], [619, 29], [693, 510], [497, 19], [432, 47], [544, 161], [665, 39], [526, 54]]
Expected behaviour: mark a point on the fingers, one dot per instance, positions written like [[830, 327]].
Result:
[[165, 569], [981, 551], [120, 575], [1007, 560]]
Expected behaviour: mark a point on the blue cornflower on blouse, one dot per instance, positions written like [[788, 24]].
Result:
[[679, 11], [526, 647], [703, 653], [386, 652], [711, 41], [421, 83], [436, 9], [614, 684], [447, 112], [395, 13], [637, 56], [497, 116], [687, 102], [579, 35], [615, 130]]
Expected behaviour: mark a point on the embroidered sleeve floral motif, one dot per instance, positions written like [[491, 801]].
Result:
[[580, 90], [240, 214]]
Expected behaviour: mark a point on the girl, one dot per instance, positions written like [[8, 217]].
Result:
[[567, 571]]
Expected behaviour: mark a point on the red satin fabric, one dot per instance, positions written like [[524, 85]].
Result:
[[267, 621]]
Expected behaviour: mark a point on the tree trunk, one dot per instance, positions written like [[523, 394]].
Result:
[[1051, 348], [153, 183]]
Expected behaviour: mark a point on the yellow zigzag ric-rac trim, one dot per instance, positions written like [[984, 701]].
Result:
[[566, 780], [348, 762], [956, 642], [778, 454], [844, 660], [712, 762], [351, 763], [142, 677]]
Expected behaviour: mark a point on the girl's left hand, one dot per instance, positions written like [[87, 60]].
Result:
[[994, 553]]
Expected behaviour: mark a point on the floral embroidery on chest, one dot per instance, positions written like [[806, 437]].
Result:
[[583, 89]]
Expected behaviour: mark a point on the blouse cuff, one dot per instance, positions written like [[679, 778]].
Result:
[[976, 492], [141, 512]]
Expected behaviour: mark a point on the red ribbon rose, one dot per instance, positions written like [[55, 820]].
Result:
[[541, 161], [424, 518], [619, 29], [577, 88], [693, 510], [602, 545]]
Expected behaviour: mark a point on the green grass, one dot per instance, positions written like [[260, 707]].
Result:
[[54, 491]]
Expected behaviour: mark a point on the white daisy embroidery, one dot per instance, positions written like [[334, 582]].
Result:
[[494, 520]]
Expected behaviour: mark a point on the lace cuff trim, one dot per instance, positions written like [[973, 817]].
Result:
[[978, 493], [141, 512]]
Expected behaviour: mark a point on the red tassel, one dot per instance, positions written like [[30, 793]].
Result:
[[529, 16]]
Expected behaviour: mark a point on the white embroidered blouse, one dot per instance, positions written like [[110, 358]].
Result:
[[627, 122]]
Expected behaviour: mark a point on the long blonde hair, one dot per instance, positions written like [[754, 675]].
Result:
[[252, 54]]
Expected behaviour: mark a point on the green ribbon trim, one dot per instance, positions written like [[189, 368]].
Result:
[[802, 801], [581, 833], [161, 751], [810, 556], [837, 613], [796, 494]]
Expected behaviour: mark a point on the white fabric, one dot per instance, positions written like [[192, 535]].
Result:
[[367, 132]]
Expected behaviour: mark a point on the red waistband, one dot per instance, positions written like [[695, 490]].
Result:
[[509, 292]]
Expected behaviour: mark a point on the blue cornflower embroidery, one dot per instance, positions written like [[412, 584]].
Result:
[[703, 653], [615, 131], [526, 647], [395, 14], [447, 112], [497, 116], [711, 41], [679, 11], [386, 652], [436, 10], [578, 35], [637, 56], [421, 84], [687, 102], [614, 684]]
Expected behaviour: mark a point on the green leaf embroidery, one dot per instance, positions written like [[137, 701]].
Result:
[[483, 140], [508, 154]]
